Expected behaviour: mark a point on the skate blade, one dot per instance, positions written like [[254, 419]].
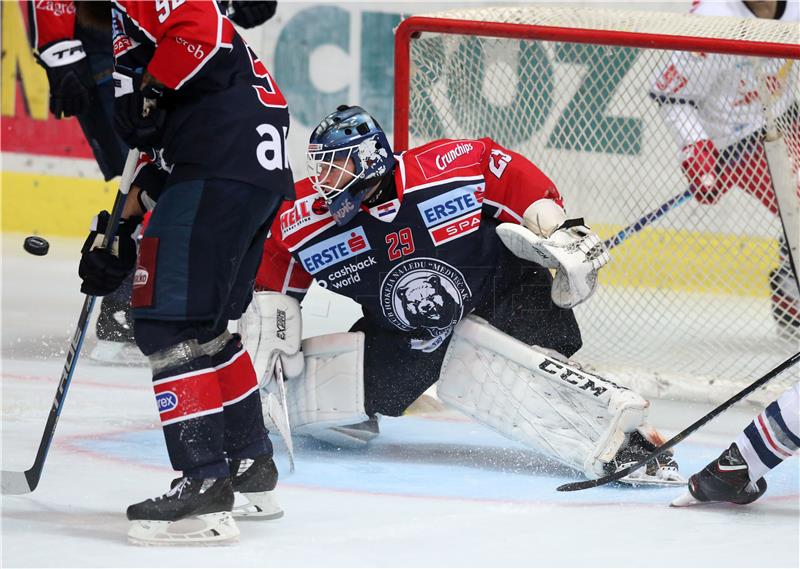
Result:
[[675, 479], [118, 353], [685, 500], [208, 529], [259, 505]]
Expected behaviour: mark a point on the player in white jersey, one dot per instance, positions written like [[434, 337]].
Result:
[[737, 476], [712, 102]]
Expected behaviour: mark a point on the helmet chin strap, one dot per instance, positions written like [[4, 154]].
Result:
[[381, 192]]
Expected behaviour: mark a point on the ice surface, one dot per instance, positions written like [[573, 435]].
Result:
[[432, 490]]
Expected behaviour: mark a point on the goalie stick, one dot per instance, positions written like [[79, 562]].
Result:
[[584, 484], [15, 482], [647, 219], [778, 164]]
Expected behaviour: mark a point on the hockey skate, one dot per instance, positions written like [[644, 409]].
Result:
[[785, 299], [726, 479], [350, 436], [255, 480], [661, 471], [193, 512], [115, 341]]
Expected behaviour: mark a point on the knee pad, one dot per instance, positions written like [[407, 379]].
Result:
[[181, 355]]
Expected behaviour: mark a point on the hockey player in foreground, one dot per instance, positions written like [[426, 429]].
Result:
[[737, 475], [713, 105], [448, 249], [79, 63], [189, 88]]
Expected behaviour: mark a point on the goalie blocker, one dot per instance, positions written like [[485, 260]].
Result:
[[525, 393]]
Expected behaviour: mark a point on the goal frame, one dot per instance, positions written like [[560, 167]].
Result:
[[413, 26], [761, 44]]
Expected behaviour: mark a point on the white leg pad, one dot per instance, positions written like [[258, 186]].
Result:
[[330, 392], [552, 406]]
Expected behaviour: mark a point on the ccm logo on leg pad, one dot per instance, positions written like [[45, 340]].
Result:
[[576, 378]]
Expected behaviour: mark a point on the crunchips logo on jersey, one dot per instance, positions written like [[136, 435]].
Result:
[[304, 213], [334, 250], [453, 214], [449, 156]]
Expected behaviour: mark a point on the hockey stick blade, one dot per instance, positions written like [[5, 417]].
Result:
[[27, 481], [584, 484], [15, 483]]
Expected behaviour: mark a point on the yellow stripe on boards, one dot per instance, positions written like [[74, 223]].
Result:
[[666, 259], [52, 205], [689, 261]]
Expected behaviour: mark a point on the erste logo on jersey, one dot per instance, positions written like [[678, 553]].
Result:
[[425, 295], [453, 214], [334, 250], [449, 156], [304, 212]]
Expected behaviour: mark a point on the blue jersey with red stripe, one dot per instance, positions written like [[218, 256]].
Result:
[[226, 115], [419, 263]]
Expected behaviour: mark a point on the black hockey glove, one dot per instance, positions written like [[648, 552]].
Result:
[[102, 271], [139, 125], [249, 13], [69, 77]]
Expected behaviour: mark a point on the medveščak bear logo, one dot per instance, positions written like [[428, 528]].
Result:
[[427, 296]]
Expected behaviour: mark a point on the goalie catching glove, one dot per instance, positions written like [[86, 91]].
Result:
[[547, 238]]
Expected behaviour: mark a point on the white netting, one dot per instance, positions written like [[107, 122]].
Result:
[[684, 25], [686, 307]]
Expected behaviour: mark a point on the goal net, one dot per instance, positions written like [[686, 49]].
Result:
[[685, 309]]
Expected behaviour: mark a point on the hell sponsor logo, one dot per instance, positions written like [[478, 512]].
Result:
[[305, 212], [334, 250], [450, 156], [453, 214]]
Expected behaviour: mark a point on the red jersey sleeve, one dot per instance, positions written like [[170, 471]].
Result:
[[279, 271], [512, 183], [51, 21], [187, 34]]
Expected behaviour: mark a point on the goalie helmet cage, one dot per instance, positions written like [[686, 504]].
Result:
[[684, 310]]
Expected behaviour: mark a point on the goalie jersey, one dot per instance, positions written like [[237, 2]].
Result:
[[419, 263]]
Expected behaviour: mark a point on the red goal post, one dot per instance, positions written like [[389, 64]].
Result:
[[703, 269]]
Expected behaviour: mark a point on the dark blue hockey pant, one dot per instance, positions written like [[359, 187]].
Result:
[[197, 264]]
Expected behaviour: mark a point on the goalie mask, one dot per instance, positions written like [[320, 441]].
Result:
[[348, 154]]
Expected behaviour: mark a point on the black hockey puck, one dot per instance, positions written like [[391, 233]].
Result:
[[36, 245]]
